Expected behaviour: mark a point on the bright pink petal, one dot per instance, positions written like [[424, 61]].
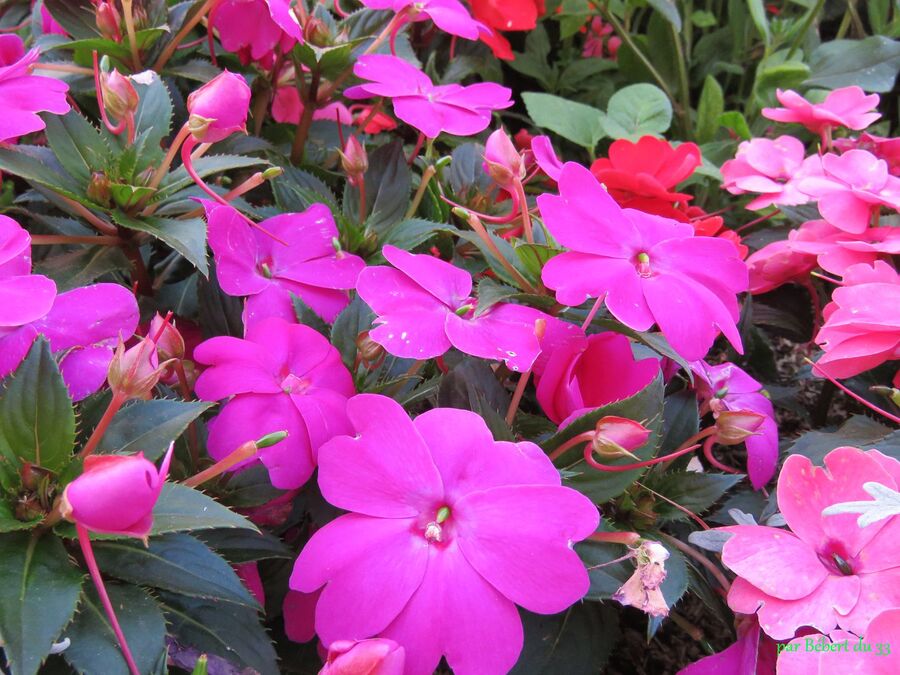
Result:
[[506, 332], [446, 282], [24, 299]]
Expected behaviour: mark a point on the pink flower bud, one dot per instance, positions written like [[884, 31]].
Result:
[[619, 436], [116, 494], [99, 189], [502, 161], [135, 371], [219, 108], [642, 590], [377, 655], [735, 426], [119, 95], [354, 160], [169, 343], [108, 21]]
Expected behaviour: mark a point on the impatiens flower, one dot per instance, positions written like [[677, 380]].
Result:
[[287, 106], [649, 269], [836, 250], [253, 264], [728, 388], [219, 108], [777, 264], [600, 41], [283, 14], [753, 653], [425, 306], [852, 189], [503, 161], [49, 26], [448, 531], [23, 94], [642, 590], [545, 157], [642, 175], [577, 376], [449, 108], [247, 28], [281, 377], [115, 494], [508, 14], [825, 571], [365, 657], [862, 321], [887, 149], [448, 15], [770, 168], [848, 107]]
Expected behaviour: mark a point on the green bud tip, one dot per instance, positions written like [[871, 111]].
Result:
[[442, 514], [269, 440], [465, 309], [105, 64], [460, 212], [272, 173], [336, 244], [643, 258]]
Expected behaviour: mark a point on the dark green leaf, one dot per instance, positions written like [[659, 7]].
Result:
[[758, 14], [37, 423], [38, 165], [491, 292], [78, 145], [76, 16], [388, 184], [709, 109], [82, 266], [38, 596], [681, 420], [240, 546], [871, 63], [409, 234], [183, 509], [9, 522], [297, 190], [859, 432], [250, 487], [669, 10], [576, 122], [472, 385], [694, 491], [205, 166], [188, 237], [308, 317], [353, 320], [150, 426]]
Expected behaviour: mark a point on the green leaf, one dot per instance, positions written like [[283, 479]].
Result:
[[491, 292], [638, 110], [76, 16], [353, 320], [582, 124], [174, 562], [871, 63], [735, 121], [297, 190], [646, 407], [9, 522], [153, 118], [472, 385], [223, 628], [82, 266], [78, 145], [38, 596], [150, 426], [695, 491], [37, 423], [669, 10], [409, 234], [757, 11], [95, 648], [38, 165], [681, 420], [388, 185], [710, 107], [308, 317], [188, 236], [183, 509], [240, 546], [205, 166], [859, 432]]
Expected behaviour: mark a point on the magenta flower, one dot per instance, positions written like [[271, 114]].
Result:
[[247, 28], [825, 571], [852, 189], [366, 657], [116, 494], [219, 108], [545, 157], [425, 306], [728, 388], [753, 653], [448, 531], [836, 250], [848, 107], [862, 321], [450, 108], [649, 269], [251, 263], [770, 168], [281, 377], [448, 15], [282, 13], [23, 94], [576, 377]]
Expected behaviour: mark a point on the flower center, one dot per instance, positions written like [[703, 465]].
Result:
[[294, 385], [836, 560], [642, 263], [433, 530], [265, 268]]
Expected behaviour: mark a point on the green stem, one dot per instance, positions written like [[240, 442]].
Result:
[[804, 29], [684, 86]]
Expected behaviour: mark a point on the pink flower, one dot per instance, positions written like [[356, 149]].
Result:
[[836, 250], [545, 157], [115, 494], [49, 26], [852, 189], [282, 13], [448, 15], [846, 107], [248, 573], [281, 377], [887, 149], [616, 437], [364, 657], [649, 269], [777, 264], [825, 571], [728, 388], [862, 321], [219, 108], [425, 306], [23, 94], [448, 531], [576, 377], [752, 654], [503, 161], [449, 108], [247, 28], [250, 263], [299, 611], [287, 107], [770, 168]]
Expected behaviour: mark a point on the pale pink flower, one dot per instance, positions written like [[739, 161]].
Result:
[[425, 306], [848, 107], [432, 109], [648, 268], [642, 590], [448, 15], [825, 571], [375, 656], [770, 168], [887, 149], [447, 531]]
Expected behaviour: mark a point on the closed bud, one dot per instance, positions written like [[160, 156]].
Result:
[[169, 343], [119, 95], [502, 160], [316, 32], [370, 352], [354, 160], [108, 21], [618, 437], [735, 426], [891, 393], [133, 372], [98, 189], [219, 108]]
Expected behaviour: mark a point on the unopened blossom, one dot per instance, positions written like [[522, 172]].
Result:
[[375, 656], [108, 20], [247, 28], [251, 263], [835, 250], [115, 494], [432, 109], [447, 531], [219, 108], [862, 321], [600, 41], [425, 306], [282, 376], [503, 161], [825, 571], [726, 387], [642, 590], [647, 268], [852, 189], [616, 436], [450, 16], [848, 107], [25, 95], [770, 168], [135, 371]]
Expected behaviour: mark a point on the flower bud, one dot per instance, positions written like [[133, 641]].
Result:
[[376, 655], [316, 32], [735, 426], [108, 21], [116, 494], [119, 95], [219, 108], [169, 343], [98, 189], [135, 371], [618, 437], [354, 160], [370, 352], [502, 161]]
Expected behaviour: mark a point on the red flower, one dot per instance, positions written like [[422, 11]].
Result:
[[505, 15]]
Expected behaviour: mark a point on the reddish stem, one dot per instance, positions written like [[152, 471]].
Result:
[[854, 395], [116, 402], [708, 453], [589, 458]]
